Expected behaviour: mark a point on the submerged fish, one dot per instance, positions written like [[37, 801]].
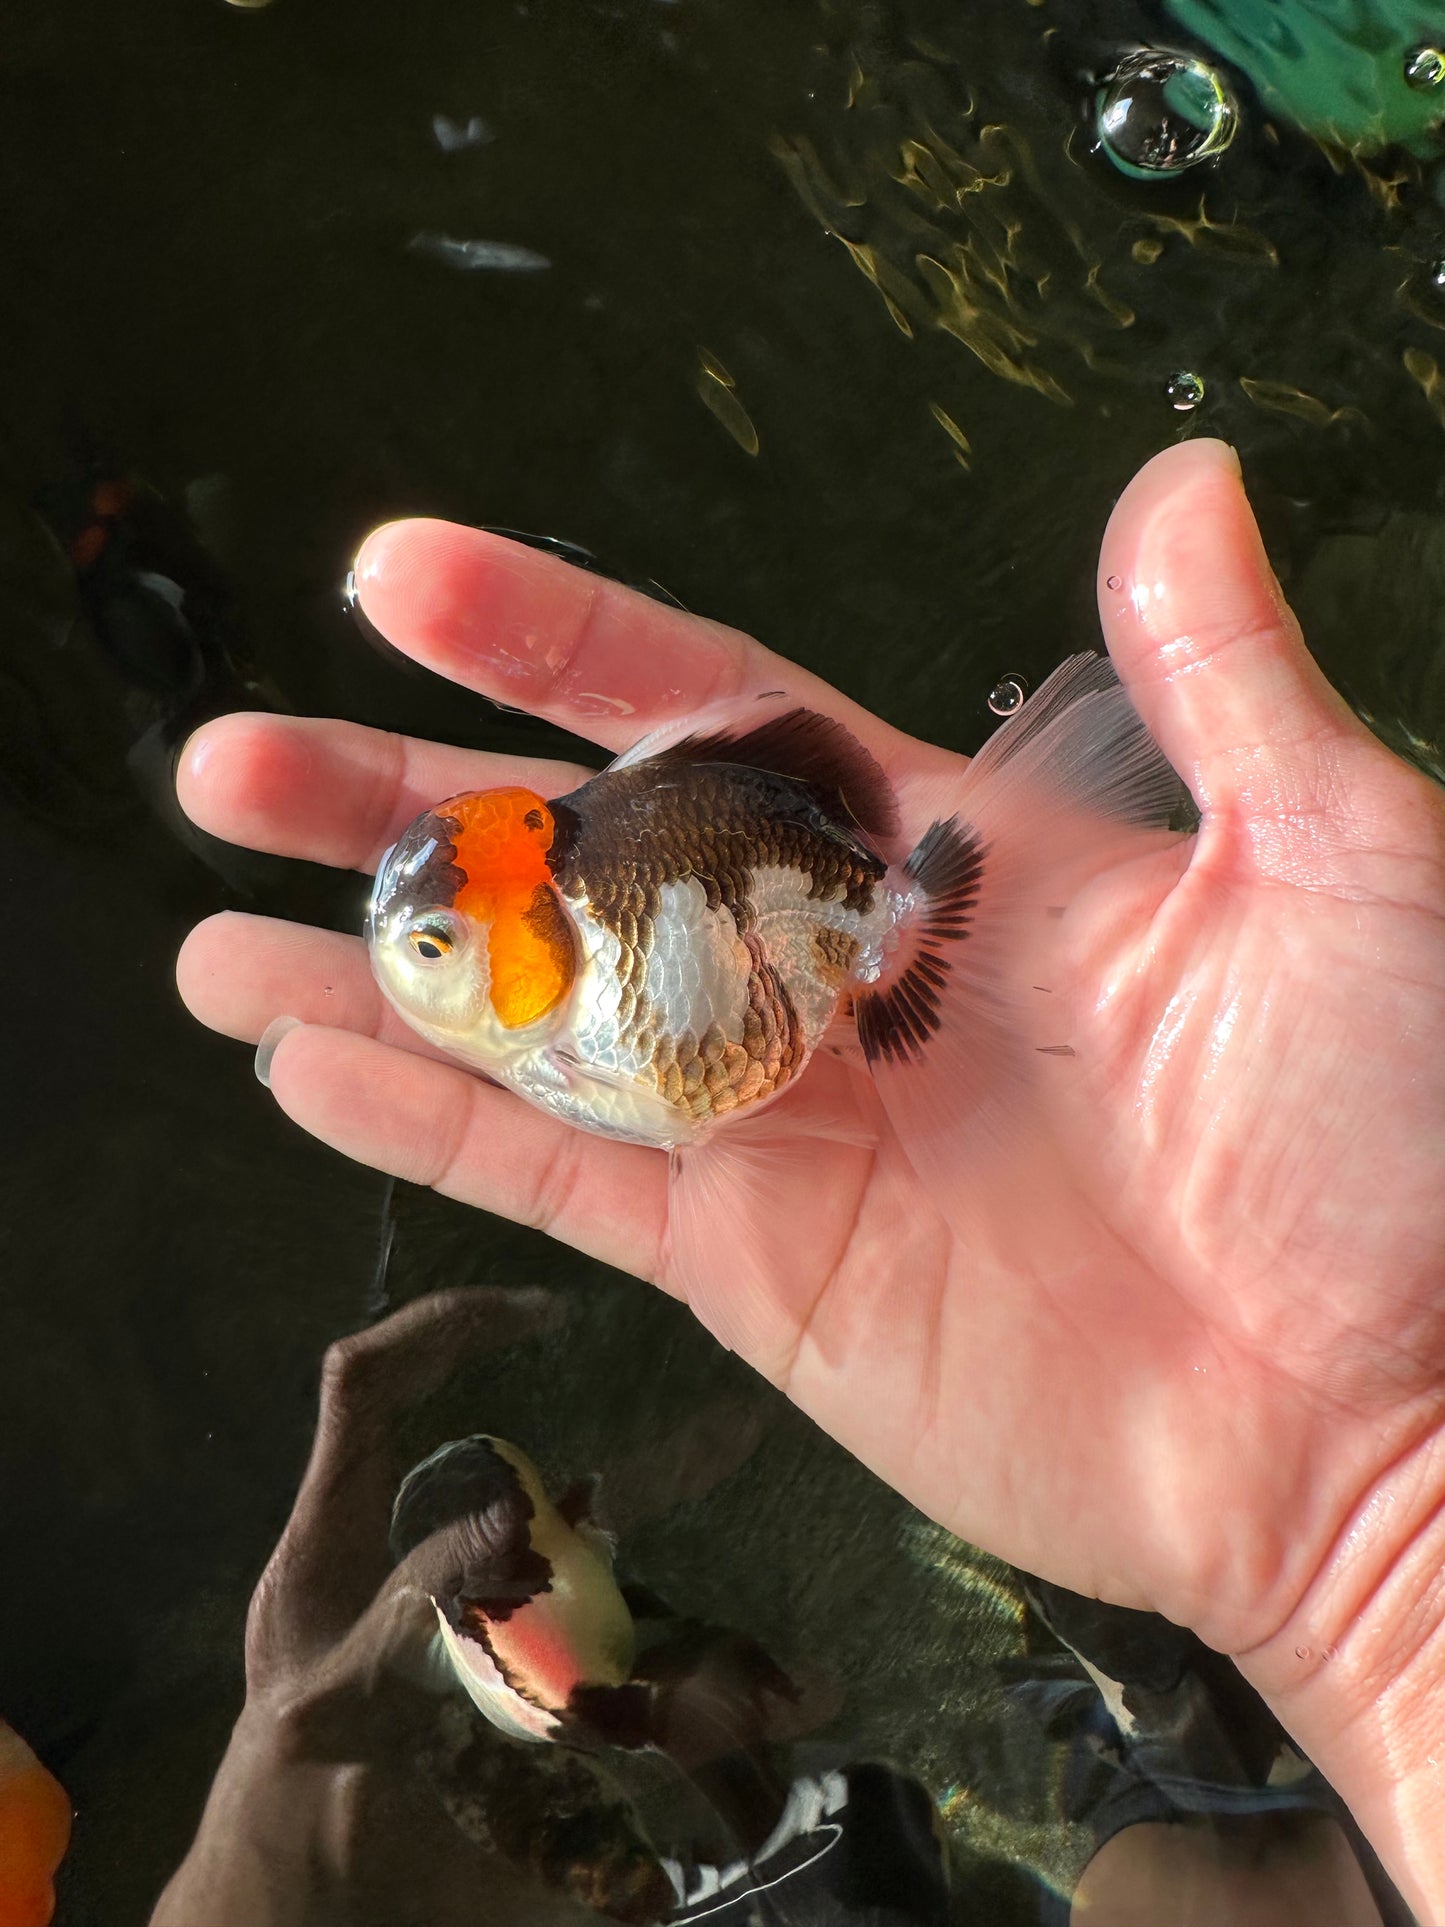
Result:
[[660, 953], [504, 257], [529, 1615], [34, 1833]]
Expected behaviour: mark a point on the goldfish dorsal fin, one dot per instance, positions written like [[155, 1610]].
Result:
[[800, 743]]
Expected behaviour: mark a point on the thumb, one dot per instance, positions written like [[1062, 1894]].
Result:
[[1202, 638]]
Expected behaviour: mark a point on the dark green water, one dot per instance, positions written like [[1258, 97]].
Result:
[[204, 225]]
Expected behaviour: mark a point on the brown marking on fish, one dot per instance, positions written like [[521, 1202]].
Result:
[[714, 1074], [618, 842], [834, 952], [440, 879]]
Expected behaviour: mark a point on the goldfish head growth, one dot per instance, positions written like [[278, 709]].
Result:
[[468, 935]]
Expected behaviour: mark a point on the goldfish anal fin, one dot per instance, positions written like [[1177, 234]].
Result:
[[798, 743], [896, 1021]]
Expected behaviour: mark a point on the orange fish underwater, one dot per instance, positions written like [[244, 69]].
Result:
[[34, 1833]]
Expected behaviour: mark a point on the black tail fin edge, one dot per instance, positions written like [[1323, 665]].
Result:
[[895, 1023]]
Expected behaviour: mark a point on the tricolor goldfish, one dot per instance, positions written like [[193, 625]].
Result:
[[529, 1615], [34, 1833], [657, 955]]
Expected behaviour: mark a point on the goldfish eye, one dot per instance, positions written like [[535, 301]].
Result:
[[435, 937]]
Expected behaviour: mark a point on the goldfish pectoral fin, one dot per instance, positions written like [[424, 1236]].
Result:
[[769, 733], [754, 1208], [968, 1035]]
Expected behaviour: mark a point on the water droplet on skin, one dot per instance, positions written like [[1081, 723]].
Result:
[[1115, 581], [1161, 112], [1184, 390], [1301, 1652], [1425, 69], [1007, 695]]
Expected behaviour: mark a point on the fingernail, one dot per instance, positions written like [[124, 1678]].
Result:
[[195, 753], [371, 558], [271, 1036], [1223, 454]]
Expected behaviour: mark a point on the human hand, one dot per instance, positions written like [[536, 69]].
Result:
[[319, 1812], [1202, 1372]]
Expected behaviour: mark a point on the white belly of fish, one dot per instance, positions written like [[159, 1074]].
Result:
[[601, 1075]]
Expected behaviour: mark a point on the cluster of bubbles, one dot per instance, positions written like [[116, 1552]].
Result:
[[1161, 111]]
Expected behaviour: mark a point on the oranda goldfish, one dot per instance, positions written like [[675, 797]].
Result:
[[34, 1833], [530, 1618], [658, 955]]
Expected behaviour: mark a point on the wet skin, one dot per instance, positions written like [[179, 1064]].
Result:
[[1227, 1297]]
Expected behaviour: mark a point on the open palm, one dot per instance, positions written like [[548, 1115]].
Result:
[[1181, 1345]]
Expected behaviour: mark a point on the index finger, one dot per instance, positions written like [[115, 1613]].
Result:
[[604, 661]]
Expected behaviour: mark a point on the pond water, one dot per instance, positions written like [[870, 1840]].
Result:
[[828, 318]]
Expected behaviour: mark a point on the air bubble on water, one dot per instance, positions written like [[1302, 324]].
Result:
[[1160, 112], [1115, 581], [1007, 695], [1425, 69], [1437, 273], [349, 590], [1184, 390]]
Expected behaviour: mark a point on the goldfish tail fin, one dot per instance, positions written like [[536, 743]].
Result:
[[755, 1210], [969, 1021]]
